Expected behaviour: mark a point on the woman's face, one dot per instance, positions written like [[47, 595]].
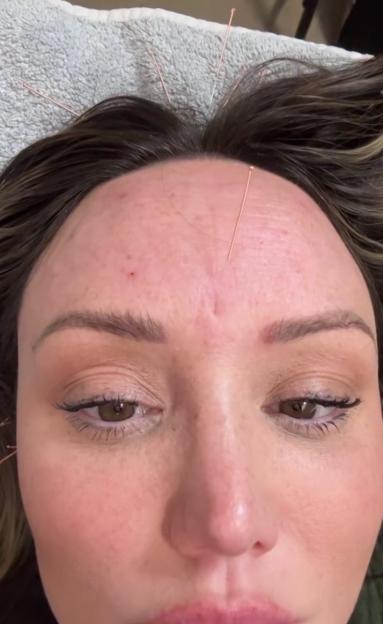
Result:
[[211, 486]]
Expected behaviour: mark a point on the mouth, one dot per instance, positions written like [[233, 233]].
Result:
[[205, 613]]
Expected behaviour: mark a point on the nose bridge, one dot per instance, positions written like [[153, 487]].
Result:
[[218, 405], [221, 447], [220, 502]]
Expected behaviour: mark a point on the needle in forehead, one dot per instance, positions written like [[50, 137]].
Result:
[[251, 169]]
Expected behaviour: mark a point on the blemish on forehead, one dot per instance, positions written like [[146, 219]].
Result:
[[127, 272]]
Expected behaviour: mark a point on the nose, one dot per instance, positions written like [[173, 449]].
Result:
[[222, 505]]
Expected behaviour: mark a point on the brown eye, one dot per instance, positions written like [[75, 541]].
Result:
[[117, 410], [298, 408]]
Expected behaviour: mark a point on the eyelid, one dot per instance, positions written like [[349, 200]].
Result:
[[97, 370], [306, 382], [112, 382], [315, 395]]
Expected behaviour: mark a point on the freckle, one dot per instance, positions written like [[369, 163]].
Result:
[[132, 273]]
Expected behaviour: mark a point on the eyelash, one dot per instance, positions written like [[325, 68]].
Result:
[[345, 404], [293, 425]]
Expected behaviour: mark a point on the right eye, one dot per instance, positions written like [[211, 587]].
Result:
[[97, 412]]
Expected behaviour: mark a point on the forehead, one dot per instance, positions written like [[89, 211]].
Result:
[[164, 232]]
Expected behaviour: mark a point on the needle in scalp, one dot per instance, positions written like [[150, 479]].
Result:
[[9, 455], [47, 97], [251, 169], [158, 68], [222, 53]]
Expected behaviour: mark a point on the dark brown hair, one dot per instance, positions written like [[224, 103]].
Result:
[[320, 128]]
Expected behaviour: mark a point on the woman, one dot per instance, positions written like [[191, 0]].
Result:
[[195, 432]]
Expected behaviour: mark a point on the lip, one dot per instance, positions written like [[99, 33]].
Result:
[[210, 613]]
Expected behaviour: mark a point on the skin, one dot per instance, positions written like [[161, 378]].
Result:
[[215, 498]]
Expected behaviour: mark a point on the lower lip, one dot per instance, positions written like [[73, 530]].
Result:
[[204, 615]]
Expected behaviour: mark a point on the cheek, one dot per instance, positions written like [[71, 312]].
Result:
[[87, 516], [337, 507]]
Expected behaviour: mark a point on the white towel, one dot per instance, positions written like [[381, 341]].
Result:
[[81, 56]]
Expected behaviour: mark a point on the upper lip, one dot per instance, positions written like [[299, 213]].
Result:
[[211, 613]]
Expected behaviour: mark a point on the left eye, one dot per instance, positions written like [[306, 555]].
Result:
[[304, 409], [312, 414]]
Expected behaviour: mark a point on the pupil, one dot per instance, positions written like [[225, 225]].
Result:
[[304, 409], [113, 411]]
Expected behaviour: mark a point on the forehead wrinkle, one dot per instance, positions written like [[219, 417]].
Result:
[[203, 220], [209, 282]]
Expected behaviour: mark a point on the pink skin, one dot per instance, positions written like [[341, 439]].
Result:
[[219, 499]]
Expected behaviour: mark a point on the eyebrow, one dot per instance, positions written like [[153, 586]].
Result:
[[144, 328], [140, 328], [292, 329], [127, 325]]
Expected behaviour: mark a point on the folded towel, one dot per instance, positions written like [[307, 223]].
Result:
[[81, 56]]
